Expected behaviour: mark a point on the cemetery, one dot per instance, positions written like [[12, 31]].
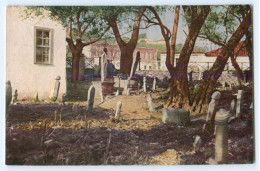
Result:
[[126, 114]]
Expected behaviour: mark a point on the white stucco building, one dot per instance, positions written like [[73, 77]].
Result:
[[35, 54], [200, 61]]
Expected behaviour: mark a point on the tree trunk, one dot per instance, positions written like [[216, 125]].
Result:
[[126, 59], [180, 94], [201, 100], [249, 50], [239, 72], [75, 65]]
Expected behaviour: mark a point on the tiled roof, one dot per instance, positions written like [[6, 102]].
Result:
[[242, 50]]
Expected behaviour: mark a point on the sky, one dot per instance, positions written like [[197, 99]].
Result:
[[154, 32]]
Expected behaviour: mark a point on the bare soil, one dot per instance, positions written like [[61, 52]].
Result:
[[53, 134]]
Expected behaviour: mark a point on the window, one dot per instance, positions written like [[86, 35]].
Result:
[[150, 67], [145, 67], [43, 46]]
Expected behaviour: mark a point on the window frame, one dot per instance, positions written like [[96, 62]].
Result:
[[50, 54]]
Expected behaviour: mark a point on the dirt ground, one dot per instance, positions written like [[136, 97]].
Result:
[[53, 134]]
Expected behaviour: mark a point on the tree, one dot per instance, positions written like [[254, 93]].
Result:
[[82, 23], [201, 100], [195, 16], [115, 16]]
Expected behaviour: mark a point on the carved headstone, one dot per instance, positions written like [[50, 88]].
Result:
[[144, 84], [118, 109], [15, 96], [154, 83], [8, 95], [91, 97], [239, 102], [55, 89], [63, 98], [150, 103], [209, 126], [221, 144], [176, 115]]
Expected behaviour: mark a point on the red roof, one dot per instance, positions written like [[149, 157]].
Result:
[[240, 47]]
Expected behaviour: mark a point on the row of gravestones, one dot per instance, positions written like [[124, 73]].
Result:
[[13, 98]]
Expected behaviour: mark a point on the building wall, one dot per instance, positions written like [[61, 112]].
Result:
[[148, 55], [202, 62], [26, 76]]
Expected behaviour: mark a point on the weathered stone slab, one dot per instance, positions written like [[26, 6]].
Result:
[[176, 115], [55, 89], [91, 97], [221, 144], [239, 103], [118, 109], [8, 95], [144, 84], [150, 103]]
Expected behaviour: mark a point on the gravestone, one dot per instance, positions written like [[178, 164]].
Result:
[[8, 94], [154, 83], [118, 109], [221, 140], [15, 96], [117, 93], [209, 126], [35, 97], [150, 103], [239, 103], [197, 143], [55, 89], [176, 115], [63, 98], [232, 107], [101, 97], [104, 65], [128, 92], [144, 84], [91, 97]]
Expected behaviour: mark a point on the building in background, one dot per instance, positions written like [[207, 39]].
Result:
[[200, 61], [148, 55], [35, 54]]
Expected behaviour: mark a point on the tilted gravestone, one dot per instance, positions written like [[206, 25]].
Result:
[[176, 115], [55, 89], [91, 98], [8, 95], [150, 103], [209, 126], [118, 109], [197, 143], [239, 103], [144, 84], [221, 140]]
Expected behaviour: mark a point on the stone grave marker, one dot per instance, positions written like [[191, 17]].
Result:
[[91, 97], [221, 140], [154, 83], [197, 143], [239, 103], [15, 96], [128, 92], [35, 97], [8, 95], [117, 93], [144, 84], [104, 65], [150, 103], [232, 107], [176, 115], [55, 89], [118, 109], [209, 126]]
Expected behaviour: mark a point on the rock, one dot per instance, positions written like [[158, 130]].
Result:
[[176, 115]]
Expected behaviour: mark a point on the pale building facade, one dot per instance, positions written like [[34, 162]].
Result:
[[148, 55], [200, 61], [35, 54]]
